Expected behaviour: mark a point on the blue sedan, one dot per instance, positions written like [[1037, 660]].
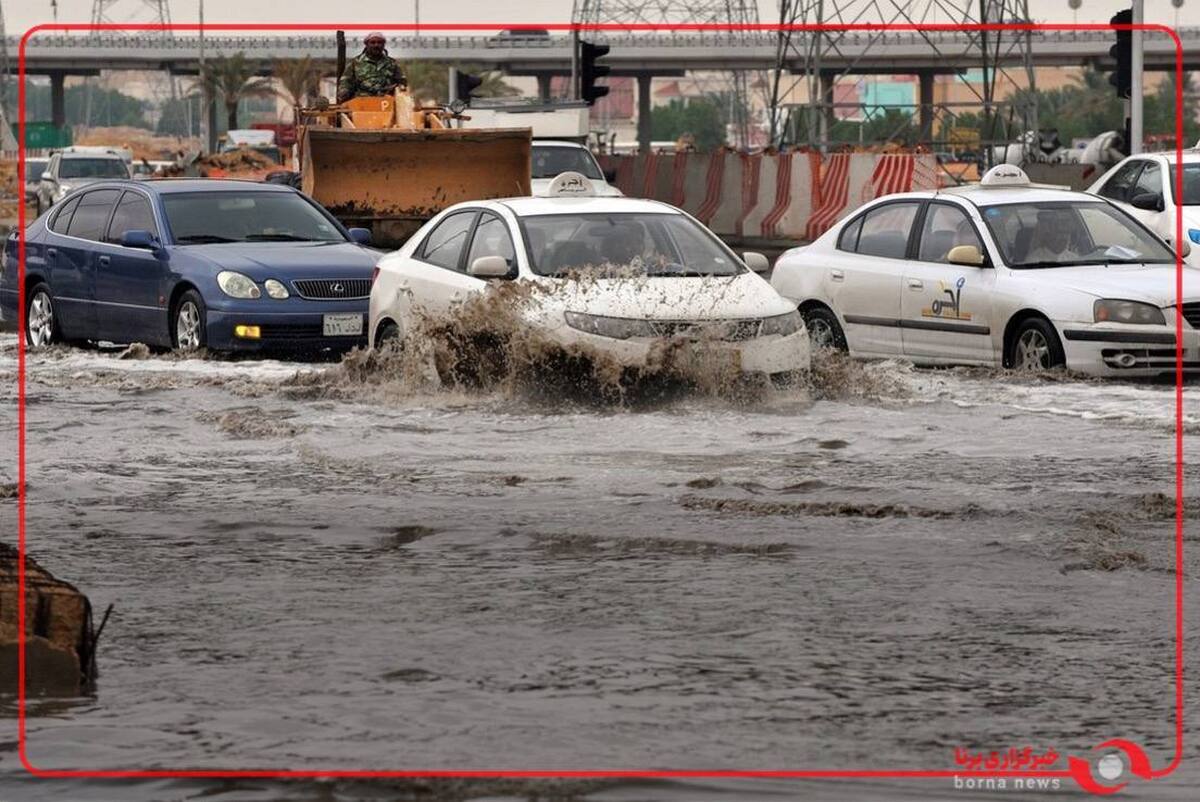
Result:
[[191, 263]]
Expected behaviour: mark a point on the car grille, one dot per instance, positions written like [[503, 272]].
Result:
[[1191, 313], [724, 330], [333, 289]]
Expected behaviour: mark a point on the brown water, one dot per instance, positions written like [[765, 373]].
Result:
[[349, 569]]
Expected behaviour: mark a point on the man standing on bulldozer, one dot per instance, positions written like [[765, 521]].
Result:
[[372, 72]]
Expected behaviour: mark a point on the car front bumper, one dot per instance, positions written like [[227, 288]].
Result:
[[282, 331], [771, 355], [1108, 349]]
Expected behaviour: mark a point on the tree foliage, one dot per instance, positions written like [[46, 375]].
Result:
[[703, 118], [430, 80], [233, 79], [88, 105]]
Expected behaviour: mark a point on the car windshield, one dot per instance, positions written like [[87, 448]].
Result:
[[92, 168], [34, 169], [1065, 233], [550, 161], [200, 217], [639, 244], [1191, 186]]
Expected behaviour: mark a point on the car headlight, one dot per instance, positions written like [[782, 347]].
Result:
[[275, 289], [782, 324], [236, 285], [619, 328], [1110, 310]]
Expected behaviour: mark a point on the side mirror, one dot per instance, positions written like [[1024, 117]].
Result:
[[360, 235], [138, 238], [489, 267], [47, 176], [965, 255], [1148, 201], [756, 262]]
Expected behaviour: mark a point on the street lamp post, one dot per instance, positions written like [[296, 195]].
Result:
[[1136, 93]]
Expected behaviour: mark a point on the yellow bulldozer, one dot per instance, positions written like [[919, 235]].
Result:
[[389, 163]]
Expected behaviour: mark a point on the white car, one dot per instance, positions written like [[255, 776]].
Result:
[[1144, 186], [1001, 273], [551, 158], [622, 276]]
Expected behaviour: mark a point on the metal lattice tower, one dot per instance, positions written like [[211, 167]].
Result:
[[131, 11], [733, 84], [992, 51], [654, 12]]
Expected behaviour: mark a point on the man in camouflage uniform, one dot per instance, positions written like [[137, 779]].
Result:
[[372, 72]]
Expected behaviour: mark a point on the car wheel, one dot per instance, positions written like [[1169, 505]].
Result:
[[188, 327], [824, 331], [388, 334], [41, 323], [1035, 346]]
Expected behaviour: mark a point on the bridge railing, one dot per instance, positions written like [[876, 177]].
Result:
[[320, 43]]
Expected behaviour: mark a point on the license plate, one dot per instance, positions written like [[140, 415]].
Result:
[[343, 325]]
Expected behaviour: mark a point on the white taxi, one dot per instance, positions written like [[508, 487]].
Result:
[[1145, 186], [619, 275], [1001, 273]]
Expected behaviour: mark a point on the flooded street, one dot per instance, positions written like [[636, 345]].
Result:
[[866, 571]]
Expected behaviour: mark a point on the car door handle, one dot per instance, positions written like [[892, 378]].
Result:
[[51, 253], [104, 260], [836, 274], [915, 284]]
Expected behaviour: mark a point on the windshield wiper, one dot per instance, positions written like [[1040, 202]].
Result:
[[204, 238], [279, 238]]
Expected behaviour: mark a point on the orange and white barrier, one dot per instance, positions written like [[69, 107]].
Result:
[[728, 213], [851, 179], [713, 174], [785, 197]]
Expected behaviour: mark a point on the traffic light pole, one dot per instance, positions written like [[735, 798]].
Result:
[[1136, 94]]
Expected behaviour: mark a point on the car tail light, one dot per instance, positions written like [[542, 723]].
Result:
[[374, 275]]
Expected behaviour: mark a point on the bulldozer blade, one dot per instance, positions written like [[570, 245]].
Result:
[[392, 180]]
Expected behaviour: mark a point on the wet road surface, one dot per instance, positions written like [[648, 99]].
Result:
[[866, 571]]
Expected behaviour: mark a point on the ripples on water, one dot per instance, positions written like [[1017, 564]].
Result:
[[348, 566]]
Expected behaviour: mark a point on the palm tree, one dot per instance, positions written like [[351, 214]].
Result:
[[430, 80], [233, 78], [298, 78]]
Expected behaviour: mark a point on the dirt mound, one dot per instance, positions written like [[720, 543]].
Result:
[[59, 640], [144, 144]]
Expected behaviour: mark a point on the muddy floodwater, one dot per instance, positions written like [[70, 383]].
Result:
[[312, 570]]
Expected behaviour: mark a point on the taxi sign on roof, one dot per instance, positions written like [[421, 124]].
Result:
[[1005, 175], [571, 184]]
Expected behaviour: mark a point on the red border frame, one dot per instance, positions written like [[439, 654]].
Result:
[[1139, 763]]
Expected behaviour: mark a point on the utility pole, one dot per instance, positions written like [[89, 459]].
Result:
[[1136, 93]]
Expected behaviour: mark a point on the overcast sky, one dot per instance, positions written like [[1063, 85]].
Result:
[[21, 14]]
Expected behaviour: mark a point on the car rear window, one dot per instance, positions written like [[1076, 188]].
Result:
[[92, 214]]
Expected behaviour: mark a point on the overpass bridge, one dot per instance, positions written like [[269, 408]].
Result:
[[631, 54]]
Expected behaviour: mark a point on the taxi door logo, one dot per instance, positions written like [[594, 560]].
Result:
[[948, 307]]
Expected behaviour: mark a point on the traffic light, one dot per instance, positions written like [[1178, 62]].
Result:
[[1122, 54], [590, 71], [464, 85]]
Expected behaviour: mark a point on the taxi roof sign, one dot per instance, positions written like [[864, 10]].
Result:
[[1005, 175], [571, 185]]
